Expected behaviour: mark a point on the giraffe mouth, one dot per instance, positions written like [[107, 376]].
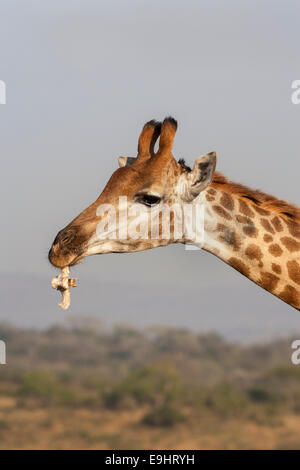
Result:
[[61, 259], [77, 260]]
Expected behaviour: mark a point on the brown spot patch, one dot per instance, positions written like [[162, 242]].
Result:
[[260, 211], [229, 237], [209, 198], [245, 209], [212, 191], [277, 224], [276, 268], [291, 244], [294, 228], [267, 226], [268, 281], [254, 252], [268, 238], [239, 265], [294, 271], [290, 295], [222, 212], [250, 229], [227, 201], [242, 219], [275, 250]]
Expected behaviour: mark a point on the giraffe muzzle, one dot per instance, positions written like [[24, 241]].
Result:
[[64, 250]]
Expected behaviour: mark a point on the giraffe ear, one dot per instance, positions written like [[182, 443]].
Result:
[[201, 175], [126, 161]]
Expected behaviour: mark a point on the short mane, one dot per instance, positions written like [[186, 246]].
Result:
[[263, 200]]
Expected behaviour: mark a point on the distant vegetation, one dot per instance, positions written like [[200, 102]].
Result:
[[83, 387]]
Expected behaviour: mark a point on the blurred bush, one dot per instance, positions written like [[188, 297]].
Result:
[[154, 384], [165, 415]]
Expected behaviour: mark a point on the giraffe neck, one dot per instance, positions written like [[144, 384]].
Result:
[[264, 245]]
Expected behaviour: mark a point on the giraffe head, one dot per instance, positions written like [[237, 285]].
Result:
[[141, 186]]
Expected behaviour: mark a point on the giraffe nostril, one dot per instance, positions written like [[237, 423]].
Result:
[[66, 239], [63, 239]]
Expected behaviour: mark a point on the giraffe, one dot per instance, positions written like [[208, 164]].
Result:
[[255, 233]]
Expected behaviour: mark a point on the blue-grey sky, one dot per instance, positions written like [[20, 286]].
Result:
[[82, 77]]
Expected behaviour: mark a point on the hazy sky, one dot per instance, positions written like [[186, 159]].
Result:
[[82, 78]]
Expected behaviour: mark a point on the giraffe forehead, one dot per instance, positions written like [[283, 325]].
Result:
[[126, 181]]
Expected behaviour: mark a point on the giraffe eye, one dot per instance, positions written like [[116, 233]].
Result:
[[148, 200]]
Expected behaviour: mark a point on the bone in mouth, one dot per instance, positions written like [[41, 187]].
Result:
[[63, 283]]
